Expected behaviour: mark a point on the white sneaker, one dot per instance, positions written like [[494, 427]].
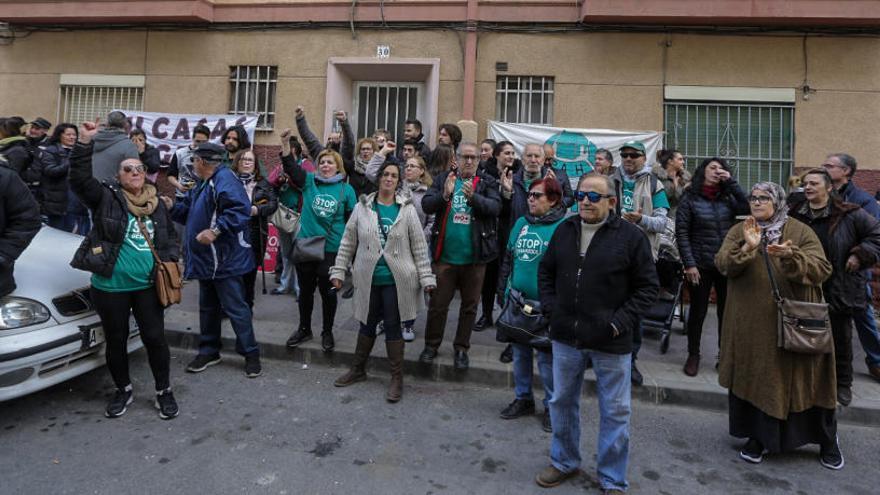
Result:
[[409, 334], [380, 328]]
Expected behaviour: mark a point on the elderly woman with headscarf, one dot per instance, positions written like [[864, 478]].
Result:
[[779, 400]]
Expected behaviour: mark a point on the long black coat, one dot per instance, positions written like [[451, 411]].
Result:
[[848, 230], [19, 223], [53, 181], [100, 248], [486, 204], [701, 224], [266, 201], [612, 286]]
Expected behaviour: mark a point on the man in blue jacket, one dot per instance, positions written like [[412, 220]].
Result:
[[216, 214], [841, 167], [595, 252]]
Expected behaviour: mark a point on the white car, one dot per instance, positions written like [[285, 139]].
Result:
[[49, 331]]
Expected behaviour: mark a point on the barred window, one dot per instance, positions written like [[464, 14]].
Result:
[[385, 105], [85, 96], [524, 99], [756, 139], [252, 91]]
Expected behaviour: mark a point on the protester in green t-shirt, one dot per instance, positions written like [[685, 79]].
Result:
[[526, 245], [120, 254], [390, 272], [327, 202]]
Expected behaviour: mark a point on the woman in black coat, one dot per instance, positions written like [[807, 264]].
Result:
[[850, 237], [264, 202], [128, 218], [706, 212], [54, 186]]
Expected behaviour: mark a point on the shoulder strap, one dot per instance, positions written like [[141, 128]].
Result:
[[146, 235], [776, 296]]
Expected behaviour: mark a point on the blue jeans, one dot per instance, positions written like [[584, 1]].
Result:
[[866, 327], [226, 295], [613, 389], [522, 372], [383, 307]]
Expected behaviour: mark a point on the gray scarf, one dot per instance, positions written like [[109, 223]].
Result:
[[771, 229]]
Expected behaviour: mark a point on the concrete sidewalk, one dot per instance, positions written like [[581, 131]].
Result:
[[275, 318]]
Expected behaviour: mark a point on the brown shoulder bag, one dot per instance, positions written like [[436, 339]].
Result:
[[168, 280]]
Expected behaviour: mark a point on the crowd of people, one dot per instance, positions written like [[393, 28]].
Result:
[[387, 225]]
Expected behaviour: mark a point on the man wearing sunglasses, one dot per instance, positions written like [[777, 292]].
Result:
[[641, 200], [597, 279]]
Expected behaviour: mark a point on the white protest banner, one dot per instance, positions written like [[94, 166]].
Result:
[[575, 148], [169, 131]]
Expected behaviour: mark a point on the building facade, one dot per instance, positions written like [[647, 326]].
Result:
[[772, 85]]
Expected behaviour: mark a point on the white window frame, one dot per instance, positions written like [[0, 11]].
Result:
[[264, 108], [503, 92], [101, 92], [372, 126]]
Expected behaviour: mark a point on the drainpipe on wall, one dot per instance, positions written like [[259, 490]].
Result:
[[467, 124]]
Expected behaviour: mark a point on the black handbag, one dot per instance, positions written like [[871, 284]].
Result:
[[523, 322]]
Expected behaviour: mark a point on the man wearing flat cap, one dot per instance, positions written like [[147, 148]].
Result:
[[217, 214], [38, 133]]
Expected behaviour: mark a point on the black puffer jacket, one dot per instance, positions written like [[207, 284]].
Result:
[[701, 224], [266, 202], [19, 156], [486, 205], [845, 229], [100, 248], [53, 182], [613, 286], [19, 223]]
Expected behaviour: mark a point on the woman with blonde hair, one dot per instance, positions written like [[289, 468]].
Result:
[[327, 203]]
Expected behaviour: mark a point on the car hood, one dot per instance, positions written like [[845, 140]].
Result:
[[43, 271]]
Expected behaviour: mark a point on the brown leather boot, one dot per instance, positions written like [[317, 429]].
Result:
[[395, 363], [358, 371], [692, 366]]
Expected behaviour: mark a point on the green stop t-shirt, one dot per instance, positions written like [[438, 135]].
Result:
[[324, 209], [134, 265], [528, 243], [628, 204], [387, 216], [458, 248]]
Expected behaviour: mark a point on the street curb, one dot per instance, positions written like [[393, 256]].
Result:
[[863, 412]]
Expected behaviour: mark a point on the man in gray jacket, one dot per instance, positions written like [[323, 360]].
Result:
[[112, 145]]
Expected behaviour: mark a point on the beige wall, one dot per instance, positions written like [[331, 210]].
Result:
[[612, 80]]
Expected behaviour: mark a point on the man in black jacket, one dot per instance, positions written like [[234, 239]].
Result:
[[596, 280], [464, 238], [19, 223]]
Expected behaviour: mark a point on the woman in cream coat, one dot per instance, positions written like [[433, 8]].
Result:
[[386, 287]]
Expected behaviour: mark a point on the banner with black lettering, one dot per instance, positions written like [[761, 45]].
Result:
[[169, 131]]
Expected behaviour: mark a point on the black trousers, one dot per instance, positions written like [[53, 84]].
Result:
[[490, 288], [114, 309], [841, 332], [384, 308], [709, 277], [316, 275]]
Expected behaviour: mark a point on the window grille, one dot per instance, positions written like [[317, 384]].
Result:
[[385, 105], [79, 103], [524, 99], [252, 91], [756, 140]]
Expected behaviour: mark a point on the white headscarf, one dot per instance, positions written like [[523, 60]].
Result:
[[771, 229]]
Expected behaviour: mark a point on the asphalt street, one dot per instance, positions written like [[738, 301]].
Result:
[[292, 432]]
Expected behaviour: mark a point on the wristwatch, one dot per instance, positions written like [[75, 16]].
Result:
[[216, 231]]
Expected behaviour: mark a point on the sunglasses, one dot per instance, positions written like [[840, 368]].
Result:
[[593, 196], [630, 155], [536, 195], [131, 168], [760, 199]]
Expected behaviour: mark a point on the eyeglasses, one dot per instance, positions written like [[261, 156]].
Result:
[[832, 165], [761, 200], [630, 155], [593, 196], [131, 168], [536, 195], [468, 158]]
